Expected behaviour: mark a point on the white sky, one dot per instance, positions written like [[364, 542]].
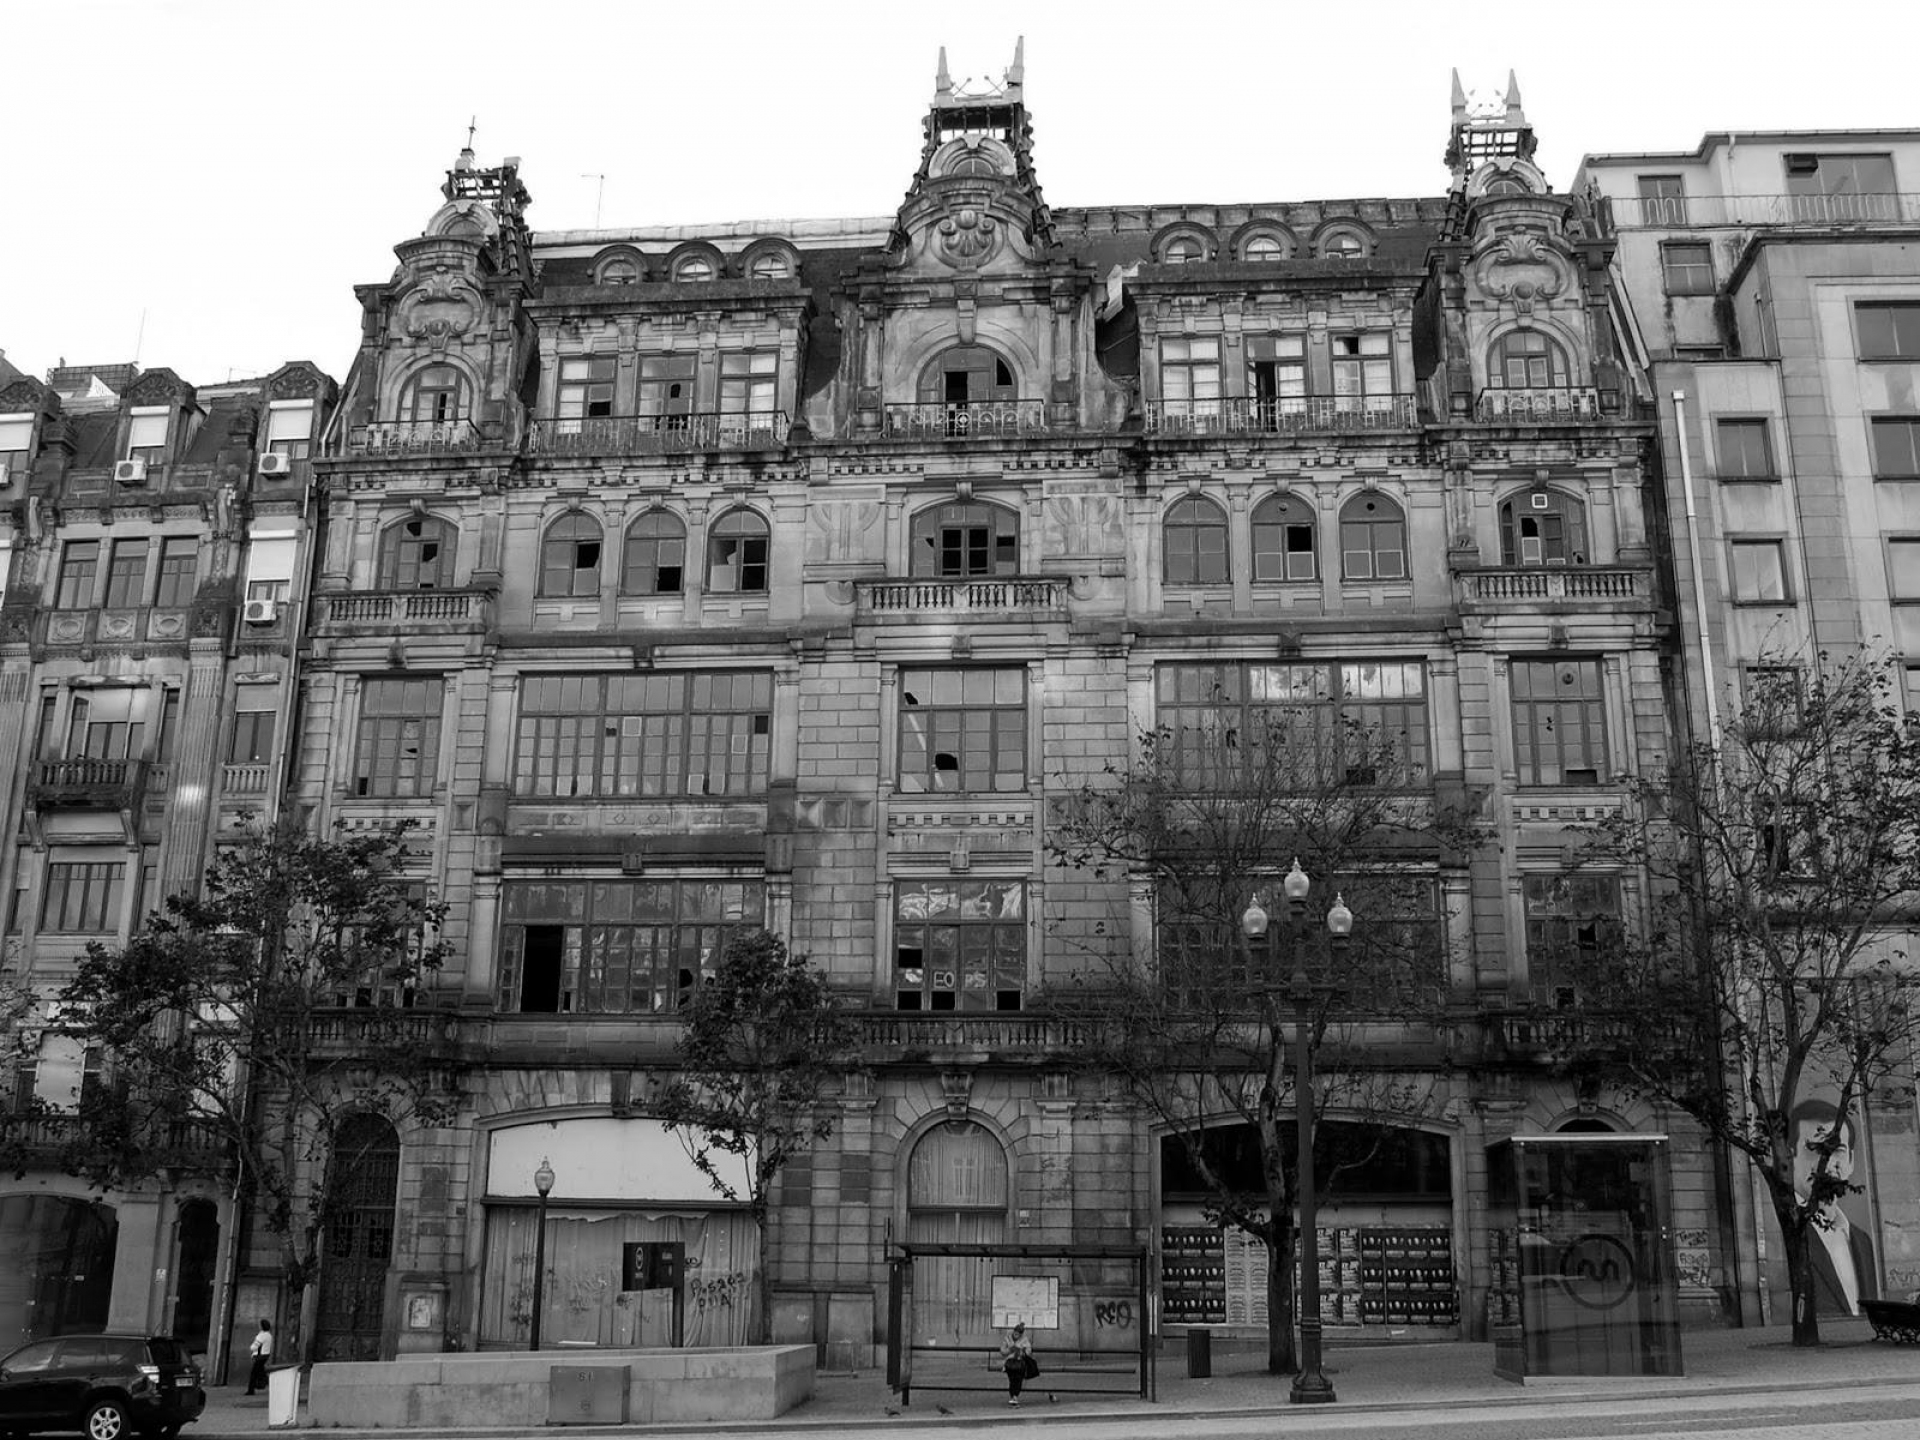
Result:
[[231, 168]]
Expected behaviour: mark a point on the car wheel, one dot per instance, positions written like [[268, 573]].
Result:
[[107, 1420]]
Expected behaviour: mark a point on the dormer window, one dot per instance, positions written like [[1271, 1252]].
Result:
[[289, 428], [970, 375], [1527, 360], [619, 271], [1183, 250], [693, 267], [147, 434], [16, 447], [771, 266], [1344, 245], [436, 396], [1262, 248]]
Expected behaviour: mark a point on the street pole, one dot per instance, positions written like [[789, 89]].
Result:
[[543, 1182]]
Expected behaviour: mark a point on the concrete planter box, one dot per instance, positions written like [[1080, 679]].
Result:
[[495, 1388]]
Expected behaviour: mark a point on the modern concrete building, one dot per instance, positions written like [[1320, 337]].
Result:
[[152, 545], [783, 573], [1768, 286]]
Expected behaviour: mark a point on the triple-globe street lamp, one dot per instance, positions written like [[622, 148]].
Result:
[[1310, 1384]]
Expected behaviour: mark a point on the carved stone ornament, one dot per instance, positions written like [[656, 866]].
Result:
[[157, 387], [25, 393], [967, 237], [296, 384], [972, 157], [1523, 268], [441, 309]]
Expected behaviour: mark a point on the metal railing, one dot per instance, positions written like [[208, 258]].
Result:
[[1557, 582], [1296, 415], [1680, 212], [659, 434], [989, 421], [1538, 406], [1011, 595], [414, 437]]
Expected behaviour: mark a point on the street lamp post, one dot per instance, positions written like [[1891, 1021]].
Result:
[[1310, 1383], [543, 1182]]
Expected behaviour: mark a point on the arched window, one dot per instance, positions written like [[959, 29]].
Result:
[[1373, 539], [570, 557], [965, 539], [967, 375], [1527, 360], [417, 554], [1264, 247], [693, 267], [621, 270], [656, 555], [1283, 540], [1543, 527], [1183, 250], [737, 554], [1196, 543], [1343, 245], [770, 266], [437, 395], [957, 1190]]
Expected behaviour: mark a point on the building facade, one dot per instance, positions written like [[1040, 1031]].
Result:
[[152, 558], [1769, 293], [786, 574]]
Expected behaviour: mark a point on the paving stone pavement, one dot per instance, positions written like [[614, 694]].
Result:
[[1374, 1377]]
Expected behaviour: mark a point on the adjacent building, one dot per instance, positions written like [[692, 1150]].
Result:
[[1768, 292], [152, 550]]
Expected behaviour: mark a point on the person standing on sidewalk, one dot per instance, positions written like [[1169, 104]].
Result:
[[262, 1352], [1016, 1358]]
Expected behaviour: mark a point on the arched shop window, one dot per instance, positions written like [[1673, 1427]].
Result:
[[957, 1191]]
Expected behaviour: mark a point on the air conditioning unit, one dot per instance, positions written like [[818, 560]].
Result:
[[274, 463], [130, 472], [262, 612]]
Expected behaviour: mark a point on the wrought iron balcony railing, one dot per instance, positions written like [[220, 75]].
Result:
[[1526, 584], [404, 610], [414, 437], [1553, 405], [659, 434], [1295, 415], [989, 421], [87, 784], [1013, 596], [952, 1033], [1678, 212]]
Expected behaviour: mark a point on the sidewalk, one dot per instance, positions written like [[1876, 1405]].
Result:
[[1375, 1377]]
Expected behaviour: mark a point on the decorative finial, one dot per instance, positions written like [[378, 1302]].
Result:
[[1459, 98], [942, 81], [1018, 73], [1515, 116]]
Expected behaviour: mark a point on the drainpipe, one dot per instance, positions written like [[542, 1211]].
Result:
[[1699, 575]]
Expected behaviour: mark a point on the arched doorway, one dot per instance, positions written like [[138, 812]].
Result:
[[956, 1194], [359, 1241], [197, 1233]]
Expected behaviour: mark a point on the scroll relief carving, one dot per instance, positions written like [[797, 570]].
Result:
[[1523, 268], [441, 309], [835, 530], [966, 236]]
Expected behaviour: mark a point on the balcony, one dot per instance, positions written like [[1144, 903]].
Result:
[[658, 434], [183, 1142], [421, 612], [1522, 586], [1682, 212], [415, 437], [248, 778], [1012, 597], [1558, 405], [1299, 415], [978, 1037], [366, 1029], [995, 421], [89, 784]]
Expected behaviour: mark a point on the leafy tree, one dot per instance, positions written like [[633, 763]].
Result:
[[763, 1040], [1784, 863], [263, 1013], [1202, 1031], [19, 1043]]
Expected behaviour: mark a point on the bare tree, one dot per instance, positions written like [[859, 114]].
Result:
[[1784, 864], [763, 1041], [1204, 820], [265, 1013]]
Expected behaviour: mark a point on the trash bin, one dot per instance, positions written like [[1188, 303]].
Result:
[[1199, 1353], [283, 1395]]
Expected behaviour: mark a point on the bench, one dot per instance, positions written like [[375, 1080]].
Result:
[[1897, 1321]]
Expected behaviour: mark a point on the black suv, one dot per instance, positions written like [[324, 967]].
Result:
[[109, 1387]]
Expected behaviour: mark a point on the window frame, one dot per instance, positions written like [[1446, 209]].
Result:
[[980, 943], [392, 710], [1741, 578], [77, 585], [143, 423], [1906, 425], [990, 727], [1355, 371], [1397, 520], [1185, 530], [585, 387], [565, 572], [1904, 545], [1603, 924], [176, 579], [1904, 339], [428, 385], [99, 898], [626, 736], [1569, 536], [1190, 367], [1539, 764], [400, 544], [1273, 528], [948, 537], [1743, 425], [739, 553], [1658, 206], [644, 554], [1681, 276], [1502, 355]]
